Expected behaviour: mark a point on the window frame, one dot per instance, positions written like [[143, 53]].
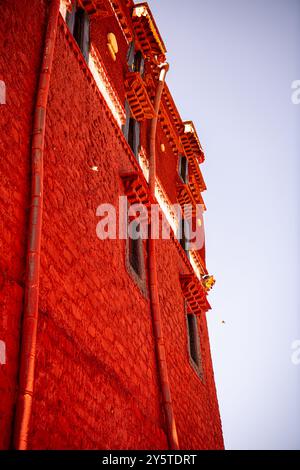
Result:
[[193, 341], [79, 25], [139, 277], [139, 63], [185, 178], [136, 260], [133, 125], [184, 239]]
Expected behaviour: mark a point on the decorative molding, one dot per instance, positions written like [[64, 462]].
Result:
[[197, 264], [186, 200], [147, 33], [160, 194], [136, 188], [195, 190], [194, 293], [96, 8], [122, 20], [166, 205], [171, 107], [197, 174], [137, 97], [144, 163], [169, 131], [191, 142]]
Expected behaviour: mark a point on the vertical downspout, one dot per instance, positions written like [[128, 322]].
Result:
[[154, 299], [30, 314]]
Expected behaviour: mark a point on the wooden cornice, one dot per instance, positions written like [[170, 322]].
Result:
[[136, 188], [186, 199], [147, 33], [191, 142], [122, 18], [197, 174], [96, 8], [199, 262], [169, 130], [105, 8], [195, 190], [137, 96], [172, 109], [194, 293]]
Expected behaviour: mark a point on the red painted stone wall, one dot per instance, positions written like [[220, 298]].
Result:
[[195, 403], [20, 57], [95, 347], [96, 383], [167, 166], [115, 69]]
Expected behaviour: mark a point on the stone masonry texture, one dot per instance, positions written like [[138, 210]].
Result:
[[96, 378]]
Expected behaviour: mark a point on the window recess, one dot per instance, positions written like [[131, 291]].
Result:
[[135, 247], [136, 191], [183, 169], [140, 104], [184, 240], [193, 340], [79, 25], [135, 60], [131, 131]]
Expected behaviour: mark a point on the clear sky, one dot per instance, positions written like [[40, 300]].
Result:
[[231, 67]]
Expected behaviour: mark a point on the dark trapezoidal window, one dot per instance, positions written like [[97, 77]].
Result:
[[131, 131], [193, 340], [184, 240], [135, 60], [79, 25], [135, 251], [183, 169], [139, 63]]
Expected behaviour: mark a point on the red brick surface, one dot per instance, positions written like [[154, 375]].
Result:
[[20, 59], [96, 382]]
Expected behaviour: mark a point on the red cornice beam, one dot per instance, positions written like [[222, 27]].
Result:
[[137, 96], [197, 174], [171, 106], [191, 143], [170, 133], [185, 198], [99, 8], [199, 262], [195, 190], [122, 18], [136, 188], [194, 294], [147, 33]]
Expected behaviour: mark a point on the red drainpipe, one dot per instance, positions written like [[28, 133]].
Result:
[[30, 315], [154, 299]]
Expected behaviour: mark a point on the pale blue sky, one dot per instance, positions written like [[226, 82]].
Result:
[[231, 67]]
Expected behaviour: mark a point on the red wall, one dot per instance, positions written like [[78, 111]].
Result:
[[96, 376], [20, 58], [167, 166], [195, 402], [115, 69]]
